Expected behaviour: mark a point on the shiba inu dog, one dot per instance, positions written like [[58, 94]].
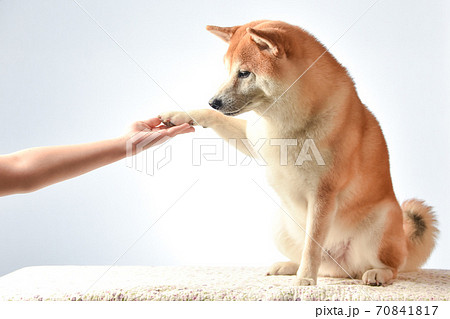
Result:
[[339, 219]]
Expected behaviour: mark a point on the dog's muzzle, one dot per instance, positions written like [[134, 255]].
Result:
[[215, 103]]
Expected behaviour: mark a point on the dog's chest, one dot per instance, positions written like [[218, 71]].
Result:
[[293, 169]]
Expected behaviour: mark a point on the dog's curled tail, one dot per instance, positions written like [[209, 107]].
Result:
[[419, 224]]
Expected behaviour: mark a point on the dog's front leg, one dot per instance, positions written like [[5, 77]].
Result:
[[320, 212], [227, 127]]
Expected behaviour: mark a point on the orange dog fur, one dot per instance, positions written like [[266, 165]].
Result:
[[354, 224]]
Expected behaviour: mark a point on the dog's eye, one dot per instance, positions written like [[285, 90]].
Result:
[[243, 74]]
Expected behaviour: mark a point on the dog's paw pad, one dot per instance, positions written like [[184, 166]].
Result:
[[175, 118]]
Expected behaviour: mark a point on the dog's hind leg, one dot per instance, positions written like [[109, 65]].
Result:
[[289, 242], [283, 268], [378, 277]]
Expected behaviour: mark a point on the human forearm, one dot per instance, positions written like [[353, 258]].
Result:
[[35, 168]]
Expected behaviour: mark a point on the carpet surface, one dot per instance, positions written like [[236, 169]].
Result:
[[205, 283]]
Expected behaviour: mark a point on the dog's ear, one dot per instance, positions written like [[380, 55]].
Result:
[[267, 40], [225, 33]]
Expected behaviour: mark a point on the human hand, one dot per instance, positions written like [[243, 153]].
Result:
[[144, 134]]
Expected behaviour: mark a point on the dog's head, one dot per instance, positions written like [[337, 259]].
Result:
[[257, 64]]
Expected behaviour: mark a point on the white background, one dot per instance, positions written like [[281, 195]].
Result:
[[63, 81]]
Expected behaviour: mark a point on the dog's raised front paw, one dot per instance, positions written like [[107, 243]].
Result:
[[305, 282], [176, 118]]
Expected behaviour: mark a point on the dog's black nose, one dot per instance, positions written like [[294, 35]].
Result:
[[215, 103]]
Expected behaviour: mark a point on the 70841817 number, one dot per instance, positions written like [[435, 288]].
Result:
[[407, 310]]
